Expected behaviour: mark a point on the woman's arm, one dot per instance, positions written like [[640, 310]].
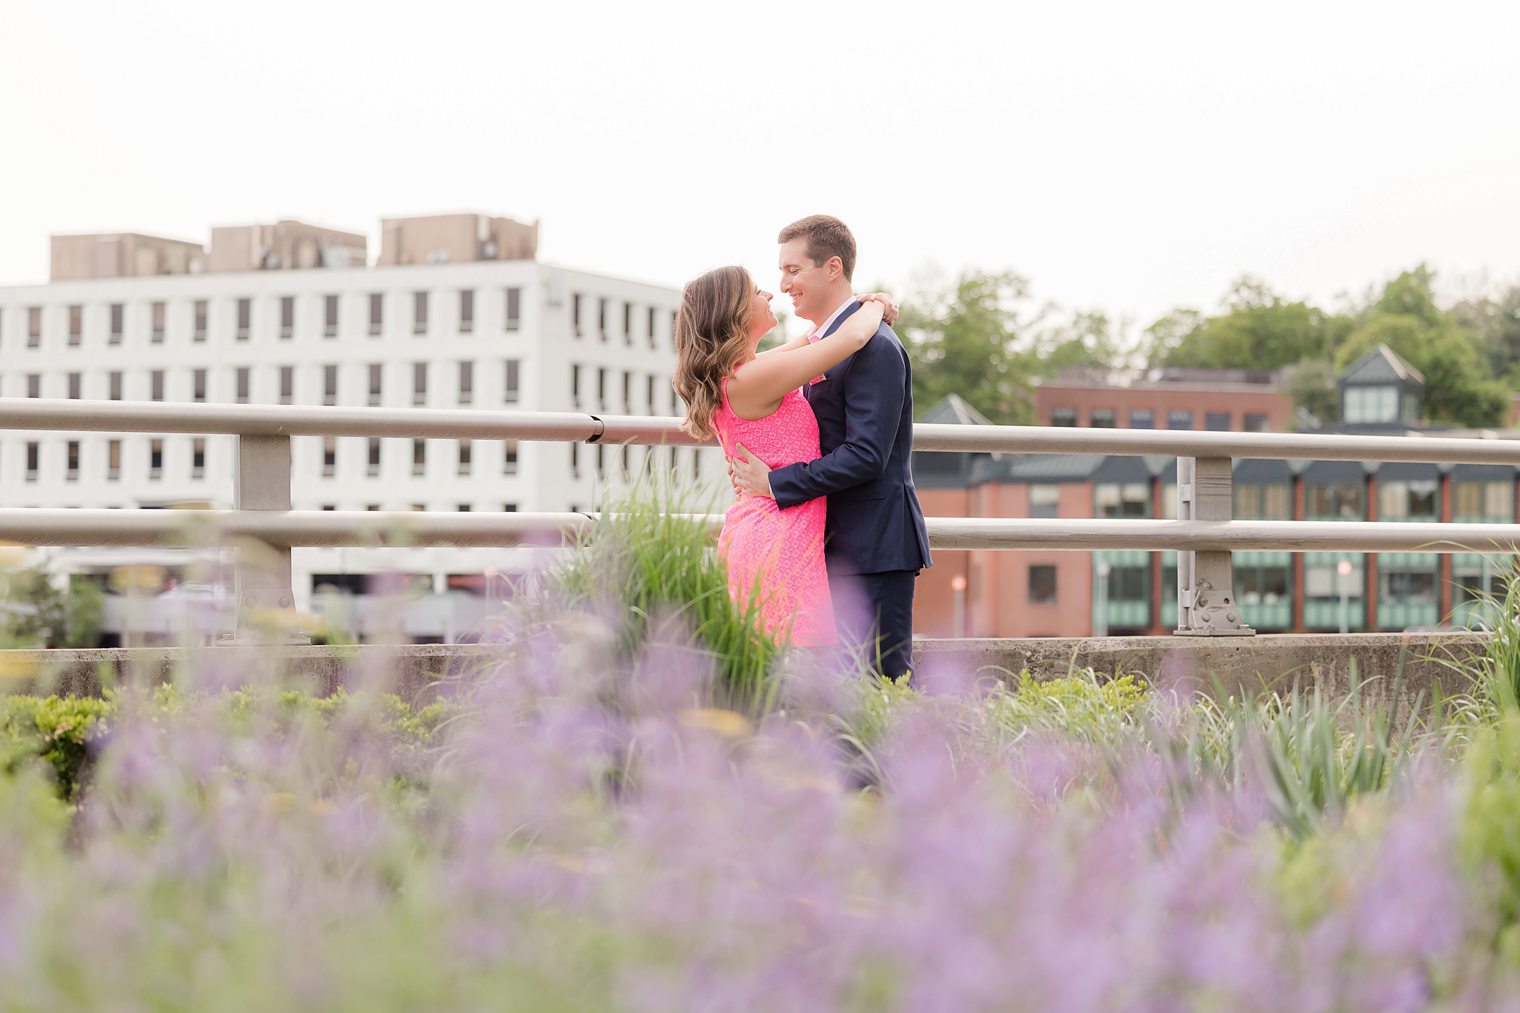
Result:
[[888, 314], [759, 385], [795, 343]]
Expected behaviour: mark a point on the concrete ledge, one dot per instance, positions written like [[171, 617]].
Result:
[[1336, 663], [1235, 664]]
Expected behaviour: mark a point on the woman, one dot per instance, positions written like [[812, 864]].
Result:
[[743, 396]]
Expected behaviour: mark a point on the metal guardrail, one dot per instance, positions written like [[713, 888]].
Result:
[[1204, 533]]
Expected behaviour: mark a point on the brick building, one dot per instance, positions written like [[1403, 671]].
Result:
[[1065, 593]]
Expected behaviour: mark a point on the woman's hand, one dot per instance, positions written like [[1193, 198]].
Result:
[[888, 306]]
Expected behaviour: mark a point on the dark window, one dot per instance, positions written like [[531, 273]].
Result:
[[118, 312], [33, 459], [466, 452], [464, 508], [113, 459], [466, 311], [200, 386], [330, 316], [34, 385], [1101, 418], [419, 383], [329, 385], [198, 457], [509, 458], [514, 308], [651, 327], [627, 393], [1042, 585], [376, 312], [419, 457], [1216, 422], [243, 373], [628, 323], [200, 320], [1142, 418], [376, 371], [76, 325], [244, 318], [601, 317], [287, 384], [1254, 423], [155, 458], [1063, 416], [575, 313], [509, 508], [72, 474], [374, 457], [1341, 500], [287, 315], [114, 383], [1131, 499], [575, 384], [156, 385], [329, 456], [601, 388], [466, 383], [419, 312], [509, 390], [1179, 419], [76, 381], [158, 323], [33, 326]]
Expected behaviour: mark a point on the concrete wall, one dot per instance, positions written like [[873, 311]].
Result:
[[1376, 662]]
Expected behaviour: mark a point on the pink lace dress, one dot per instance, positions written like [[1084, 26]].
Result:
[[775, 554]]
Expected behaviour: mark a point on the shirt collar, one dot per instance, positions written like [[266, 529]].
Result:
[[823, 328]]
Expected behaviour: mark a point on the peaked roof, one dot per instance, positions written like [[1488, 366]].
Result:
[[952, 409], [1379, 366]]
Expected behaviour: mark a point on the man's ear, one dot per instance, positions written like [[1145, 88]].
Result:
[[834, 267]]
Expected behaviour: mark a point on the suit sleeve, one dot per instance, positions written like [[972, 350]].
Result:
[[873, 403]]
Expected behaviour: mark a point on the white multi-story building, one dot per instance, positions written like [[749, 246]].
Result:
[[440, 324]]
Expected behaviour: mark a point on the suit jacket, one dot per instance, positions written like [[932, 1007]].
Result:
[[864, 407]]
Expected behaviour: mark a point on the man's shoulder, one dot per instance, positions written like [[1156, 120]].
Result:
[[884, 347]]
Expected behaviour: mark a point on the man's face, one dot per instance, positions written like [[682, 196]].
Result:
[[804, 281]]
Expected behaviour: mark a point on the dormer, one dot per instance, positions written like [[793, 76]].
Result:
[[1381, 389]]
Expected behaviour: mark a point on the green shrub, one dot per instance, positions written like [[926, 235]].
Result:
[[658, 571]]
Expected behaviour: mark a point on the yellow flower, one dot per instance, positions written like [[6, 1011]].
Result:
[[17, 665], [726, 723]]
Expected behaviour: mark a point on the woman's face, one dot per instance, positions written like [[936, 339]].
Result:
[[761, 319]]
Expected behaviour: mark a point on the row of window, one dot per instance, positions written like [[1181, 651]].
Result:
[[1145, 418], [159, 317], [605, 379], [1271, 584], [658, 394], [465, 457], [34, 453], [1415, 499], [242, 383], [628, 316]]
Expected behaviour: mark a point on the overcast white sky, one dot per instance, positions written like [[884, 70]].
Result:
[[1126, 157]]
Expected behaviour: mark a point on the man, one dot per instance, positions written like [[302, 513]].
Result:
[[875, 538]]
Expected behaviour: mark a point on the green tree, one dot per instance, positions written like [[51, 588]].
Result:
[[966, 340], [1496, 323], [1258, 329], [1405, 316]]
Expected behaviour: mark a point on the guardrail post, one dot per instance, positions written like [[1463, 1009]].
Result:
[[263, 570], [1206, 580]]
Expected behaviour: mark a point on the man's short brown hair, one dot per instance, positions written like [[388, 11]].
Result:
[[826, 237]]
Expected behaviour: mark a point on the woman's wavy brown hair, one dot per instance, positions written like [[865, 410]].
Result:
[[712, 339]]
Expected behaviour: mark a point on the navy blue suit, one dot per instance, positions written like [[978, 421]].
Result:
[[875, 530]]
